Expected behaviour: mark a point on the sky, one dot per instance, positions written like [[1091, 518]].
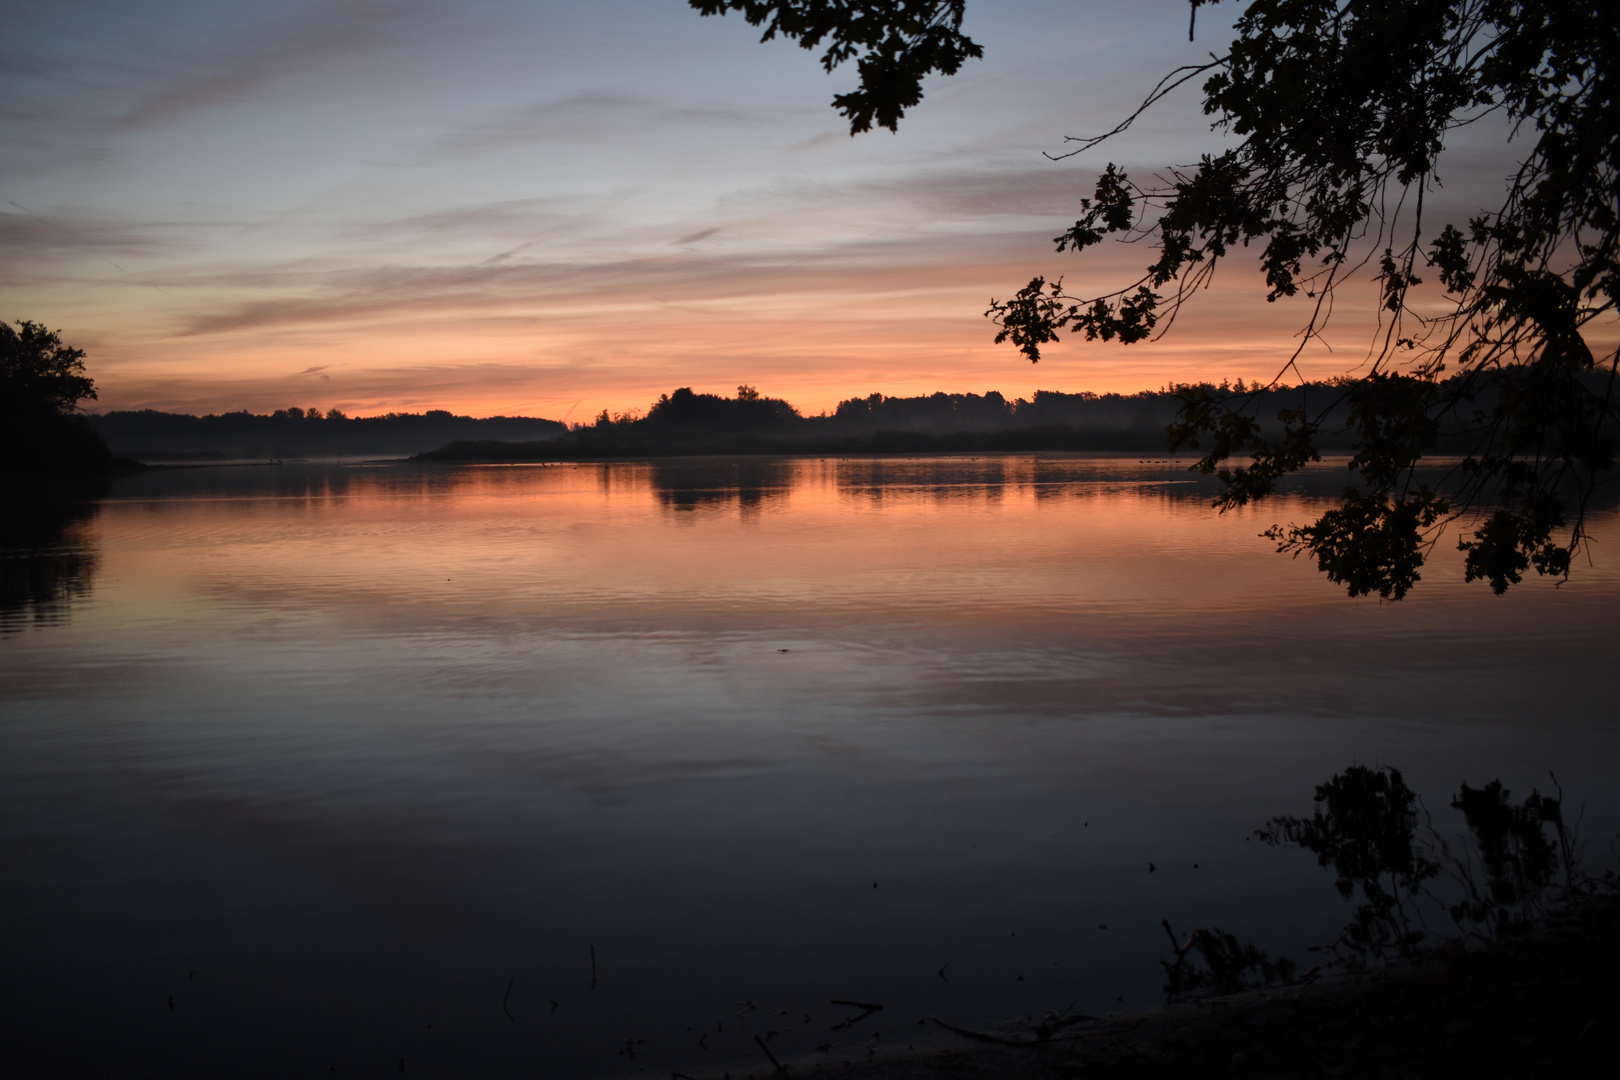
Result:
[[555, 207]]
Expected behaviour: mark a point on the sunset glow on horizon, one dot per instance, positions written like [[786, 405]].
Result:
[[550, 209]]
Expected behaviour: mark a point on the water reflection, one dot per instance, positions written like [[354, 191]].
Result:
[[1381, 843], [754, 483], [1387, 854], [751, 484], [1365, 827], [686, 485], [376, 749], [877, 480], [47, 555]]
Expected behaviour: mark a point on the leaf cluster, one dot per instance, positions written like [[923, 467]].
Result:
[[1342, 111], [894, 43], [40, 376]]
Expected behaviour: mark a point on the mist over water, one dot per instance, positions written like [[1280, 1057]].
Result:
[[361, 764]]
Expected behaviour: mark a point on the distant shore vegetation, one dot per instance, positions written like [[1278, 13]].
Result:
[[295, 432], [682, 422], [686, 422]]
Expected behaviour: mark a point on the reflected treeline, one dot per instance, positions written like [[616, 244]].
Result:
[[751, 483], [46, 556], [759, 481], [1513, 863], [316, 481], [684, 484], [876, 480], [748, 483]]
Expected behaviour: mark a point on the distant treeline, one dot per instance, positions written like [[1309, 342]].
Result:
[[149, 435], [685, 422]]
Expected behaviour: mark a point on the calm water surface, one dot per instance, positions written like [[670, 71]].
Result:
[[362, 764]]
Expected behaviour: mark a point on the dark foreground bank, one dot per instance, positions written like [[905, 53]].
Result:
[[1541, 1005]]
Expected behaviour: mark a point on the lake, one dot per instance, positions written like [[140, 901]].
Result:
[[599, 769]]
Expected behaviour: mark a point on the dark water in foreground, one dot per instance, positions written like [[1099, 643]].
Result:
[[360, 764]]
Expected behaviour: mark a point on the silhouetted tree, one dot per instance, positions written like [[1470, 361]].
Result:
[[704, 414], [1342, 110], [38, 372], [42, 382]]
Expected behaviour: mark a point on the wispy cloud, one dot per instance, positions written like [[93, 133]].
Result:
[[363, 391], [576, 114], [857, 272], [585, 116], [418, 203], [1037, 189], [492, 217], [701, 234], [796, 241], [26, 235], [817, 141], [267, 64]]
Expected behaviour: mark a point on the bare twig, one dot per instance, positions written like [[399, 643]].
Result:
[[867, 1009], [982, 1036], [779, 1066]]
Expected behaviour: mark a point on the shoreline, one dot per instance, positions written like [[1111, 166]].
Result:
[[1541, 1004]]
